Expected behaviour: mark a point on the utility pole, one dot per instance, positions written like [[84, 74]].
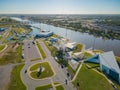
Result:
[[94, 44]]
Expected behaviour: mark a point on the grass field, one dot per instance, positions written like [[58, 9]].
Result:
[[0, 37], [35, 59], [12, 56], [70, 69], [45, 87], [41, 50], [60, 87], [88, 79], [16, 82], [46, 73], [2, 47], [19, 53]]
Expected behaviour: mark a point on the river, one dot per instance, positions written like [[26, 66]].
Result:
[[90, 41]]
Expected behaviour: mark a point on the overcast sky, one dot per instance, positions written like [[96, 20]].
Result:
[[59, 6]]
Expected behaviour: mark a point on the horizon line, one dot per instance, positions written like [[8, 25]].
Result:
[[60, 14]]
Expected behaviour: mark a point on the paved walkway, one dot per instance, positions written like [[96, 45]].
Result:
[[59, 77], [5, 72]]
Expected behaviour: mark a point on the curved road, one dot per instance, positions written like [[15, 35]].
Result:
[[60, 74]]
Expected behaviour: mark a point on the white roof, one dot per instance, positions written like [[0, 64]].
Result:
[[78, 53], [108, 59], [70, 45]]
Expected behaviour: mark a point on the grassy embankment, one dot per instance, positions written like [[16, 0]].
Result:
[[89, 79]]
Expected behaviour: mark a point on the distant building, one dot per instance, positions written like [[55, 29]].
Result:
[[44, 34], [108, 64]]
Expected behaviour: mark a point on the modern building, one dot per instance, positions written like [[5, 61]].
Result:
[[2, 29], [78, 55], [44, 34], [108, 64]]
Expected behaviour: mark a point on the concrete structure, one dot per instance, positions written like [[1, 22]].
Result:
[[108, 64], [44, 34]]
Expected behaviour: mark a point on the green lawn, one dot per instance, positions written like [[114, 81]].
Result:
[[78, 48], [88, 79], [0, 37], [118, 59], [16, 82], [60, 87], [19, 53], [41, 50], [46, 73], [35, 59], [97, 51], [2, 47], [71, 70], [12, 56], [45, 87]]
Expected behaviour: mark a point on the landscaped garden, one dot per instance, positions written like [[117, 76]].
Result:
[[41, 70]]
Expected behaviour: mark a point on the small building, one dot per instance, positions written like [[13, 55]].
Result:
[[70, 46], [44, 34], [108, 64]]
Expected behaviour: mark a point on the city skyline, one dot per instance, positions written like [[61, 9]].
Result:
[[60, 7]]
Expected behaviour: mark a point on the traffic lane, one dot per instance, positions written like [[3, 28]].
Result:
[[29, 50]]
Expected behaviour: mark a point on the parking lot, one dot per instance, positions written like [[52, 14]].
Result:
[[30, 50]]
